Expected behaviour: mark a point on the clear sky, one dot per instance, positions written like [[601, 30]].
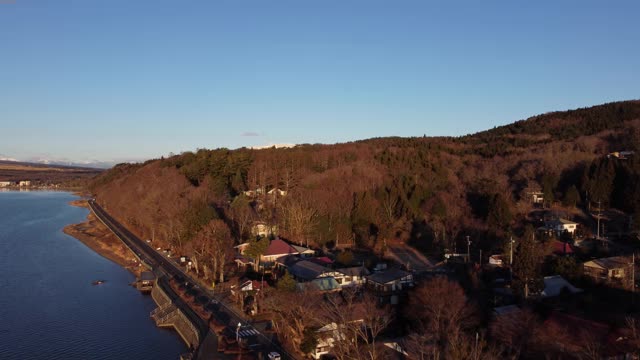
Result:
[[120, 80]]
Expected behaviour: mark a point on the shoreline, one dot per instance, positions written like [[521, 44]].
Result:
[[97, 237]]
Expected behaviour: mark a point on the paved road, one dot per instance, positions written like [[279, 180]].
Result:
[[163, 265], [410, 258]]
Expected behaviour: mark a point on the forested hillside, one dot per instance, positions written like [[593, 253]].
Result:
[[430, 192]]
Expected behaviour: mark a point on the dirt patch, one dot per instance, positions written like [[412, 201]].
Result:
[[100, 239]]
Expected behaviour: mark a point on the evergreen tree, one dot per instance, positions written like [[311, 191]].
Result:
[[499, 216], [527, 264], [571, 197], [286, 283]]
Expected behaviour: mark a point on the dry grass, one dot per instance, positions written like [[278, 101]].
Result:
[[20, 167], [100, 239]]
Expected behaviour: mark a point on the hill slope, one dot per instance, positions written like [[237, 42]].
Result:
[[428, 191]]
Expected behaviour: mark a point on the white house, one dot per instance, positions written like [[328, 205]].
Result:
[[256, 192], [561, 225], [495, 260], [24, 183], [352, 276], [537, 197], [326, 338], [275, 191], [5, 183]]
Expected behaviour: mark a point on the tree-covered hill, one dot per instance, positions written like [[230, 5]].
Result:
[[427, 191]]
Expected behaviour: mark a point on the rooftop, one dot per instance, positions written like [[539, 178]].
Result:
[[388, 276], [354, 271], [307, 270], [321, 284], [615, 262], [280, 247], [555, 285]]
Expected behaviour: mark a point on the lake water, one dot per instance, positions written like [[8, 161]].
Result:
[[48, 307]]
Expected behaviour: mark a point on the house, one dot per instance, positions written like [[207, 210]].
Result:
[[323, 284], [560, 226], [495, 260], [352, 276], [254, 193], [615, 271], [401, 348], [322, 260], [276, 191], [556, 285], [389, 283], [5, 183], [305, 270], [278, 248], [261, 228], [242, 248], [561, 248], [24, 183], [303, 251], [537, 197], [622, 155], [146, 281], [326, 336], [251, 285]]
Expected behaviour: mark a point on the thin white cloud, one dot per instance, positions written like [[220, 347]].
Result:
[[249, 133]]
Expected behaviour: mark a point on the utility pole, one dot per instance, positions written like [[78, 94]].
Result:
[[633, 274], [480, 257], [598, 229], [468, 249]]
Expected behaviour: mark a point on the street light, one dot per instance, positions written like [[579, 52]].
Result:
[[468, 249], [511, 251], [238, 333]]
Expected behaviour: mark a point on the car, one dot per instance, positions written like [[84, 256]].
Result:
[[274, 356]]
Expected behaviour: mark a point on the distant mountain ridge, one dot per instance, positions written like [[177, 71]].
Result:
[[54, 165], [46, 174]]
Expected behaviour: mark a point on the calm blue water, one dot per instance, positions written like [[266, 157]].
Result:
[[48, 307]]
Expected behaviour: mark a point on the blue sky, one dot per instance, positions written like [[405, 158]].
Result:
[[127, 80]]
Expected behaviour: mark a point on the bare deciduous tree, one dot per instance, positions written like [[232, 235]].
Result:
[[440, 311], [360, 321], [293, 312], [300, 217]]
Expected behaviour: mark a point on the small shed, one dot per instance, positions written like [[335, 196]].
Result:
[[146, 281]]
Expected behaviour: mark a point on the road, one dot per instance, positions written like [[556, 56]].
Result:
[[410, 257], [163, 265]]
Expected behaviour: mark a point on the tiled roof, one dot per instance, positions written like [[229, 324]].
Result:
[[279, 247], [561, 247]]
